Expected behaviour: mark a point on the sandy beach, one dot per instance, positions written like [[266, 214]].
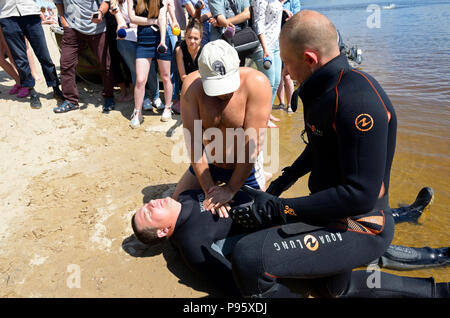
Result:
[[69, 185]]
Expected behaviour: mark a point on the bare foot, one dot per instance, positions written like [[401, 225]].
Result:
[[270, 124], [273, 118]]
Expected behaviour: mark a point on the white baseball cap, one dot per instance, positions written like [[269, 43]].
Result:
[[218, 65]]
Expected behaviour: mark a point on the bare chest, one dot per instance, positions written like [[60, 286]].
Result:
[[216, 113]]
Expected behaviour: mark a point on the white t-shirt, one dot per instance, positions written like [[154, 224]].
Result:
[[267, 21]]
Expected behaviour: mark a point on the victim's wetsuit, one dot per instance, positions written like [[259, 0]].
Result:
[[195, 235], [206, 243], [351, 129]]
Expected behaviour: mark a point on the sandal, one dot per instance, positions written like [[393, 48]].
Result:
[[65, 107]]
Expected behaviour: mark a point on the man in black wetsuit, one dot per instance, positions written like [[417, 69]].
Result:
[[351, 128], [206, 241]]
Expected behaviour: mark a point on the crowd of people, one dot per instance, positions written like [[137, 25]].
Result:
[[134, 41]]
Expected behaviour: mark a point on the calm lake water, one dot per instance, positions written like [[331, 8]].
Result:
[[409, 54]]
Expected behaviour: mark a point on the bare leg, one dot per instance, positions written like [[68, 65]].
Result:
[[187, 182], [280, 91], [164, 70], [30, 56], [142, 69], [289, 87]]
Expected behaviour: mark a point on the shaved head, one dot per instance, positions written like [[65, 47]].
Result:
[[311, 30]]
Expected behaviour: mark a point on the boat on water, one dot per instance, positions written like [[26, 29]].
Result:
[[88, 68], [390, 6], [354, 53]]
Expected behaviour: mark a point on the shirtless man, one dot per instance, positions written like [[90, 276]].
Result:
[[224, 99]]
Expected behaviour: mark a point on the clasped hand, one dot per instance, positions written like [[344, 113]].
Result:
[[217, 199]]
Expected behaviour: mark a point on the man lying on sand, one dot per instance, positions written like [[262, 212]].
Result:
[[206, 243]]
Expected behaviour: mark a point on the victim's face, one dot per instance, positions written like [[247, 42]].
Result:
[[154, 213]]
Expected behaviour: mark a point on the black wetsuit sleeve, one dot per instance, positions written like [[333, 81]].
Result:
[[211, 265], [290, 175], [362, 137], [302, 165]]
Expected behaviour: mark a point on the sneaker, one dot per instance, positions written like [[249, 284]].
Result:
[[108, 104], [147, 104], [158, 103], [23, 92], [136, 119], [167, 113], [289, 110], [34, 99], [15, 89]]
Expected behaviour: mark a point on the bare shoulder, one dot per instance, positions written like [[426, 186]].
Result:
[[253, 78], [191, 91], [192, 84], [255, 82]]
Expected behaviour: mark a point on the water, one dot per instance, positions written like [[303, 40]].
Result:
[[409, 54]]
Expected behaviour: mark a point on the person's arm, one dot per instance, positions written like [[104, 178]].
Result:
[[194, 141], [162, 23], [190, 9], [173, 18], [137, 19], [301, 166], [102, 10], [259, 14], [257, 114], [121, 23], [241, 17], [237, 19], [180, 63], [60, 8], [217, 9]]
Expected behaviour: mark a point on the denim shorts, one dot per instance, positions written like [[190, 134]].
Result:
[[147, 43], [224, 175]]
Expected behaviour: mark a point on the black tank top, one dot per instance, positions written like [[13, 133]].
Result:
[[189, 64]]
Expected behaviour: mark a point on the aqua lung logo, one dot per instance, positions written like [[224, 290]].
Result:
[[310, 242], [219, 68]]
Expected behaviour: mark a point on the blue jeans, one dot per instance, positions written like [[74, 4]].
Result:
[[15, 29], [274, 72], [128, 51]]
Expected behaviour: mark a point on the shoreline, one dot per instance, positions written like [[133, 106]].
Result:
[[70, 183]]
